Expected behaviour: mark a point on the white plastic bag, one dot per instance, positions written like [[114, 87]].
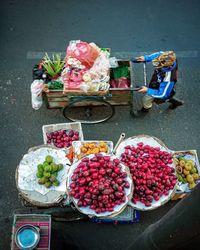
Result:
[[113, 62], [36, 93]]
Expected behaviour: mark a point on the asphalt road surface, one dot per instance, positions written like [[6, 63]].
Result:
[[28, 29]]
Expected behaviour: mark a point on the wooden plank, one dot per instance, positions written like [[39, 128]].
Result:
[[119, 97], [89, 93], [53, 105], [58, 99]]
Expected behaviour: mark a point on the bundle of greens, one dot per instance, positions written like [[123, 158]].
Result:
[[53, 66], [55, 85]]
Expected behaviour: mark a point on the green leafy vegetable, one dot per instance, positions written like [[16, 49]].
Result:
[[53, 66]]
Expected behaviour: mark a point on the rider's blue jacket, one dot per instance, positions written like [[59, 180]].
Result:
[[163, 80]]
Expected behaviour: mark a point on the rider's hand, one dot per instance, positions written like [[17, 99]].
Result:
[[143, 89], [140, 59]]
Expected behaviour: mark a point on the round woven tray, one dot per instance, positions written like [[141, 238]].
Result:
[[107, 214], [152, 141], [25, 196]]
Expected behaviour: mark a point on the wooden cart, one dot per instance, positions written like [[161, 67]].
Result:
[[93, 107]]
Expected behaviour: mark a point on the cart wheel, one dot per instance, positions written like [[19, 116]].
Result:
[[88, 110]]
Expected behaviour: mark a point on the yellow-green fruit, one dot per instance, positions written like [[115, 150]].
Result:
[[176, 161], [42, 180], [192, 185], [45, 164], [39, 174], [48, 184], [182, 163], [185, 172], [48, 159], [184, 180], [47, 168], [47, 174], [40, 167], [60, 166], [56, 183], [188, 166], [180, 178], [191, 162], [54, 167], [52, 178], [189, 178], [195, 176], [55, 174], [193, 170]]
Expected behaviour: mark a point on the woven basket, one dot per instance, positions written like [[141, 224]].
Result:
[[24, 196], [111, 214], [159, 143]]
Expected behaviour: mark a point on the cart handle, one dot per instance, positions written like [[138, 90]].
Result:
[[144, 70], [109, 95], [136, 88]]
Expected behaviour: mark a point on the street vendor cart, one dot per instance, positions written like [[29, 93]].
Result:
[[93, 105]]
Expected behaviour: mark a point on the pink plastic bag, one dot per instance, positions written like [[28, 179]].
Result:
[[84, 52], [72, 85], [121, 82]]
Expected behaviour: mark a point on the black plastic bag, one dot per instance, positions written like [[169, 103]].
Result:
[[39, 72]]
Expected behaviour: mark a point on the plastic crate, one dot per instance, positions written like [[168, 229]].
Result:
[[76, 126], [128, 216]]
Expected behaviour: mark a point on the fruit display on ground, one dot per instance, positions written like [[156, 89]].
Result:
[[62, 138], [152, 172], [186, 170], [100, 182], [48, 171]]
